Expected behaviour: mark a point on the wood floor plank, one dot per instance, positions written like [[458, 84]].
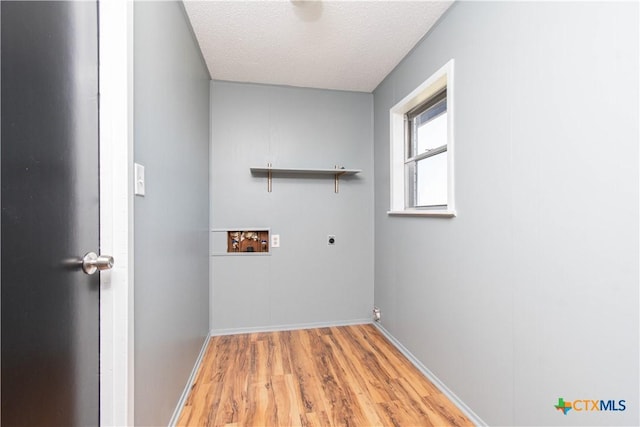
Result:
[[366, 366], [305, 373], [211, 383], [338, 376], [231, 403], [365, 385], [342, 402], [438, 408]]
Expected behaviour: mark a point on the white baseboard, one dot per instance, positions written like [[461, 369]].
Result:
[[473, 417], [291, 327], [190, 381]]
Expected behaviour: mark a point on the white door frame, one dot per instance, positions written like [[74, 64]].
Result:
[[116, 212]]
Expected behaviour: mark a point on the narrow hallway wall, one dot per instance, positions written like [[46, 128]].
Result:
[[171, 220]]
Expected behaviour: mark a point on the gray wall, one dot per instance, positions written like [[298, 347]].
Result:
[[171, 221], [304, 281], [531, 293]]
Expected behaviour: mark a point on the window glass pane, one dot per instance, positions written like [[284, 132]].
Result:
[[431, 180], [431, 134]]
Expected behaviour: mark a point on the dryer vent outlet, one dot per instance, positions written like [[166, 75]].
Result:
[[376, 314]]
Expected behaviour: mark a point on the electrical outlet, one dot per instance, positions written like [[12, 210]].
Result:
[[331, 240], [275, 240]]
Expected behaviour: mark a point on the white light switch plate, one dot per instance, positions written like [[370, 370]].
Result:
[[275, 240], [138, 175]]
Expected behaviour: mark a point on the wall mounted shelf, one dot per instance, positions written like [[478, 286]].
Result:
[[336, 173]]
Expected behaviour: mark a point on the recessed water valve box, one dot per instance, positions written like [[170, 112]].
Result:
[[247, 241]]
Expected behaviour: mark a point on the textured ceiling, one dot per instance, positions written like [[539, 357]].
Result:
[[329, 44]]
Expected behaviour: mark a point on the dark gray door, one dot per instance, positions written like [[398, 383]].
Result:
[[50, 213]]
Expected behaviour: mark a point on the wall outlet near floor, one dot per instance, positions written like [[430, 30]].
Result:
[[331, 240], [275, 240], [376, 314]]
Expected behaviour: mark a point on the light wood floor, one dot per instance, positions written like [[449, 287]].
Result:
[[342, 376]]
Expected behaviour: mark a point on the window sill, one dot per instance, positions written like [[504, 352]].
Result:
[[417, 212]]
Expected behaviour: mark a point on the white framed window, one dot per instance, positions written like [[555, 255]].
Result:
[[422, 149]]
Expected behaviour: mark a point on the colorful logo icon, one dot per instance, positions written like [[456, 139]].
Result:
[[590, 405], [563, 406]]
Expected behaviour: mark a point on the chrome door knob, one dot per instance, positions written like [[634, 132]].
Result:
[[92, 262]]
